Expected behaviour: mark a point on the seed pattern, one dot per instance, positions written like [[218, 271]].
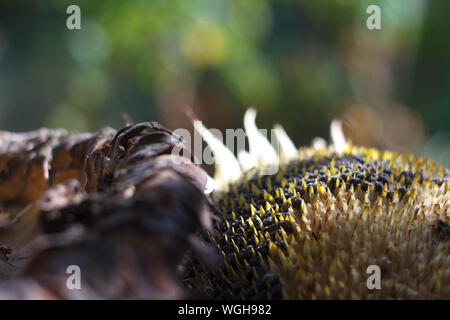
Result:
[[311, 230]]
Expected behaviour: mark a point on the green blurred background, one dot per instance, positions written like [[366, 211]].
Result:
[[300, 63]]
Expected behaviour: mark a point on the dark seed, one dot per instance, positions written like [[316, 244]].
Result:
[[378, 187], [277, 291], [296, 203], [402, 191], [364, 186], [390, 195], [286, 225]]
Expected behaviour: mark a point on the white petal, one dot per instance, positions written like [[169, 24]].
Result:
[[319, 143], [337, 135], [260, 147], [287, 147], [227, 166], [246, 160], [211, 185]]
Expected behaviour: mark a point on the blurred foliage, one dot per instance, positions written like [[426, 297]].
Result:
[[300, 63]]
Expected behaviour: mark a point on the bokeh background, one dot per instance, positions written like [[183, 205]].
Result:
[[300, 63]]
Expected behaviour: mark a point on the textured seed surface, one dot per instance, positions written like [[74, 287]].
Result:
[[311, 230]]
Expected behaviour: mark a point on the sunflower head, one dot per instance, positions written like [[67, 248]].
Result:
[[313, 229]]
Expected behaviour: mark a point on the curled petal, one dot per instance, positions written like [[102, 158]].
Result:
[[319, 143], [260, 147], [246, 160], [227, 166], [287, 147], [337, 136]]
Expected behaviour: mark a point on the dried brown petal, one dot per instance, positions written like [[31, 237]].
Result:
[[120, 206]]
